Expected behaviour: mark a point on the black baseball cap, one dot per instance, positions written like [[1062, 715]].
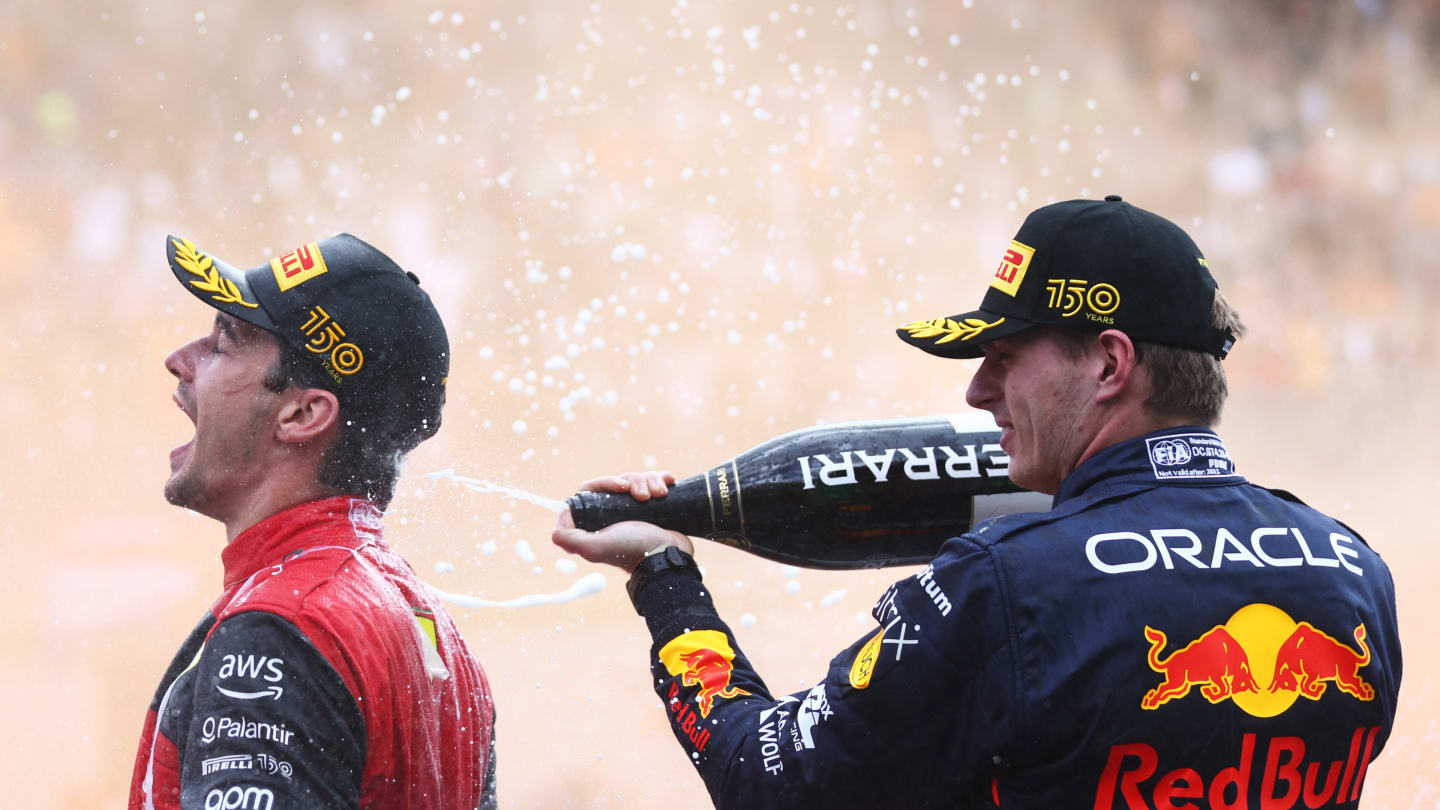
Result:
[[364, 321], [1089, 264]]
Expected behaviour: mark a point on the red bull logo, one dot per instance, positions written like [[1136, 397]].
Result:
[[1260, 659], [702, 658], [1285, 770], [1309, 658], [1215, 662]]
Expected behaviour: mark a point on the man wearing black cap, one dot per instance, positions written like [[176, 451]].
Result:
[[1168, 635], [326, 674]]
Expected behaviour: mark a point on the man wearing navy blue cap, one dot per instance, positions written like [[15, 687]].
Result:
[[326, 675], [1168, 635]]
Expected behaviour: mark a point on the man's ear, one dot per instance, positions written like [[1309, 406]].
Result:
[[1116, 374], [307, 415]]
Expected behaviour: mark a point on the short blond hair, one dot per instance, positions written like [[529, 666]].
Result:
[[1186, 384]]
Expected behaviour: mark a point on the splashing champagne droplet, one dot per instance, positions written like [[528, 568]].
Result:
[[491, 488], [584, 586]]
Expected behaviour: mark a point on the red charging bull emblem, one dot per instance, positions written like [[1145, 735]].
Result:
[[702, 658], [1262, 660]]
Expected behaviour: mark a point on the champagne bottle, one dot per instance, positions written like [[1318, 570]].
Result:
[[851, 495]]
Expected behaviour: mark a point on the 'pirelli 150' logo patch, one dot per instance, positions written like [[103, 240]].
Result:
[[1012, 268], [298, 266], [1189, 455]]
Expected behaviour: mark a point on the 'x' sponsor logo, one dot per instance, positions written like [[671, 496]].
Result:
[[900, 640]]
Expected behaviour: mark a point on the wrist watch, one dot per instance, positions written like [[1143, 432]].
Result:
[[665, 559]]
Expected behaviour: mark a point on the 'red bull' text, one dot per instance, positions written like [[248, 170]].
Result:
[[686, 719], [1285, 779]]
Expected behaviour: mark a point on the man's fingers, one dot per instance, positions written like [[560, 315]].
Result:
[[598, 548], [623, 544], [566, 520], [639, 486], [642, 486], [608, 483], [576, 541]]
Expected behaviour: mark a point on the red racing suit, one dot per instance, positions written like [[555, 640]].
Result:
[[326, 675]]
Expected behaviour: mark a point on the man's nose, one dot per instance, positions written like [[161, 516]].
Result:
[[980, 394], [181, 362]]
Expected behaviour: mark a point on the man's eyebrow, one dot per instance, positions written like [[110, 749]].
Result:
[[223, 324]]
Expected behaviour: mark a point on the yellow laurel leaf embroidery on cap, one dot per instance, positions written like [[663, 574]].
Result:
[[950, 329], [928, 329], [198, 264]]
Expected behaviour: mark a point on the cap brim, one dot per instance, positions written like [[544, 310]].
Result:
[[215, 282], [961, 336]]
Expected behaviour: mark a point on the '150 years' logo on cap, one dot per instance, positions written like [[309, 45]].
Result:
[[326, 338], [1073, 294], [1262, 660]]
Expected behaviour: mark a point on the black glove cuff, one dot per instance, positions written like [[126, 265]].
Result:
[[668, 559]]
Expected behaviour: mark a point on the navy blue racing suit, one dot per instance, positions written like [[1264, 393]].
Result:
[[1168, 635]]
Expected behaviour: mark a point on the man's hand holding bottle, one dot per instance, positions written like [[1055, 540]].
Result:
[[626, 543]]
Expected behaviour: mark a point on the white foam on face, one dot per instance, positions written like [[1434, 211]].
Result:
[[523, 551], [491, 488], [585, 586], [832, 597]]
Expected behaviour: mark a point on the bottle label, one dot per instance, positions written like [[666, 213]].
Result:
[[739, 541], [984, 460], [727, 509]]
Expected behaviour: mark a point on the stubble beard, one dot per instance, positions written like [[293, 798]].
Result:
[[184, 490], [196, 487]]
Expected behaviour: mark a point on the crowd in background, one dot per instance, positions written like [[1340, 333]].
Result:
[[660, 233]]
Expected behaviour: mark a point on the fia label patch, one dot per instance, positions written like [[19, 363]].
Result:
[[1189, 455]]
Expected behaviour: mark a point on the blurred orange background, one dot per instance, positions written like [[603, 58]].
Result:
[[661, 234]]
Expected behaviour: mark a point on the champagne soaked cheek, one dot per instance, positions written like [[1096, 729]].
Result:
[[851, 495]]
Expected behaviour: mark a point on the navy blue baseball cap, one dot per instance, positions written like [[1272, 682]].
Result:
[[364, 320], [1089, 264]]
